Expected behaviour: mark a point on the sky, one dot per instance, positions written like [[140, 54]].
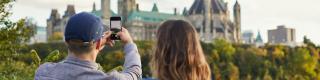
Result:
[[256, 15]]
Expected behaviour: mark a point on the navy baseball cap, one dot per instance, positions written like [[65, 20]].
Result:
[[84, 26]]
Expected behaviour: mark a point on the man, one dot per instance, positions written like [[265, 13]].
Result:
[[84, 37]]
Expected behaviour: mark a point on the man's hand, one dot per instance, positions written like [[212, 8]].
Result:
[[106, 40], [125, 36]]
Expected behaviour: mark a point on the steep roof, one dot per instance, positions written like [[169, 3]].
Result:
[[236, 4], [155, 8], [217, 6], [259, 38]]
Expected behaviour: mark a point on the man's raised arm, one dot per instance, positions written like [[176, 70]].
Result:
[[132, 64]]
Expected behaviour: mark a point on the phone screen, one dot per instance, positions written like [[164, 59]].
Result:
[[116, 24]]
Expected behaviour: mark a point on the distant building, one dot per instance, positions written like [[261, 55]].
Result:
[[211, 19], [56, 24], [141, 24], [40, 36], [247, 37], [258, 38], [259, 41], [282, 35]]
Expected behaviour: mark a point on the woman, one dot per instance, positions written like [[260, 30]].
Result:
[[178, 54]]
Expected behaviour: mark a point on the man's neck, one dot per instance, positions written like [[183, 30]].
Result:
[[87, 56]]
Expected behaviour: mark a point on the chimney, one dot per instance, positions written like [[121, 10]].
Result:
[[137, 7], [175, 11]]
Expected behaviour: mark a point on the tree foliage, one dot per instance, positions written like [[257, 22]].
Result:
[[14, 65]]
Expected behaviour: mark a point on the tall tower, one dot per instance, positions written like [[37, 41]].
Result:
[[125, 7], [207, 21], [106, 12], [155, 8], [94, 7], [70, 11], [237, 21]]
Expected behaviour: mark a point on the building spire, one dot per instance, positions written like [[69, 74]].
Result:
[[237, 4], [259, 38], [137, 7], [155, 8], [237, 19], [94, 6]]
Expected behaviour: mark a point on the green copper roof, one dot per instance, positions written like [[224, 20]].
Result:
[[155, 8], [99, 13], [146, 16], [259, 39]]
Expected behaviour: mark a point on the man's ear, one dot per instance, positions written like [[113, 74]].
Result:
[[98, 44]]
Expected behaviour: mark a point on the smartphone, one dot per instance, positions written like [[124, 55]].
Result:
[[115, 27]]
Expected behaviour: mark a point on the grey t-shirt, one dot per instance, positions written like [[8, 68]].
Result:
[[73, 68]]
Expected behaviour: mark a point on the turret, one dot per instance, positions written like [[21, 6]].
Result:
[[105, 8], [94, 7], [70, 11], [207, 21], [155, 8], [237, 20]]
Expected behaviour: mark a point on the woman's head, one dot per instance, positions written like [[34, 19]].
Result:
[[178, 54]]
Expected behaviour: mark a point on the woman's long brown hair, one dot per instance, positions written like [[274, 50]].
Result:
[[178, 54]]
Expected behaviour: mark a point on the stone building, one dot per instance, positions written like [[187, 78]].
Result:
[[141, 24], [56, 23], [282, 35], [212, 20], [247, 37]]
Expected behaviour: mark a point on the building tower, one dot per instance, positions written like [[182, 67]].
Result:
[[65, 18], [237, 21], [70, 11], [106, 12], [125, 7], [258, 38], [94, 7], [207, 20], [53, 22], [155, 8]]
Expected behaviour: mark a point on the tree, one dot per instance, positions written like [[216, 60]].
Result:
[[300, 62], [56, 36], [13, 35], [224, 49], [308, 42], [250, 62]]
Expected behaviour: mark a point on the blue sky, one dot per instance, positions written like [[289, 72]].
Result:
[[303, 15]]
